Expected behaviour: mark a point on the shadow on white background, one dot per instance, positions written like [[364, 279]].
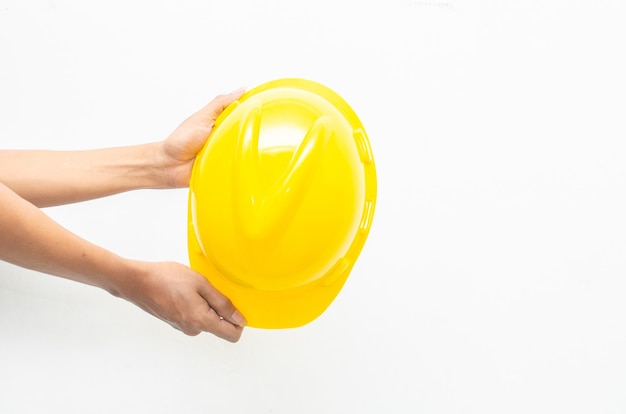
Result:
[[493, 278]]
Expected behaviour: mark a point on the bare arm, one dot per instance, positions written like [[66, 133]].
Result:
[[47, 178], [169, 291], [29, 238]]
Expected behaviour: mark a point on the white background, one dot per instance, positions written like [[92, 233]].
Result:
[[494, 277]]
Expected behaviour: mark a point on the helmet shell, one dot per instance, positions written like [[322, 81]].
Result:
[[281, 200]]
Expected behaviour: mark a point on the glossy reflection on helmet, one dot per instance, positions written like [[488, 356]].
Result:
[[281, 201]]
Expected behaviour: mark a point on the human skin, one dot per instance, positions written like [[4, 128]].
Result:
[[29, 238]]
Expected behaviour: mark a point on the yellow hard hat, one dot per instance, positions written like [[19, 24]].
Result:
[[281, 200]]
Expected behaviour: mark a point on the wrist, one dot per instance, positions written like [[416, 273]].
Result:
[[167, 171], [157, 166], [126, 278]]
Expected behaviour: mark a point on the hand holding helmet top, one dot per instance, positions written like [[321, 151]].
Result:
[[281, 200]]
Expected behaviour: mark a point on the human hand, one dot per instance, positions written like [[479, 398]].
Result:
[[183, 298], [177, 153]]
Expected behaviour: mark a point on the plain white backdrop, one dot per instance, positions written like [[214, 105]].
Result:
[[494, 277]]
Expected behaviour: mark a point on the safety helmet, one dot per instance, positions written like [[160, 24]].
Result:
[[281, 200]]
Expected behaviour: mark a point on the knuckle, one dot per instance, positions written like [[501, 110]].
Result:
[[222, 303], [235, 338], [196, 321], [190, 331]]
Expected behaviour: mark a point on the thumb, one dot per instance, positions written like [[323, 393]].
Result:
[[214, 108], [221, 304]]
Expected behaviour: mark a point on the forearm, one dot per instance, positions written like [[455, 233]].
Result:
[[170, 291], [30, 239], [47, 178]]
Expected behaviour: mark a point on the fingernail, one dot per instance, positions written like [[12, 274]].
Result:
[[238, 318]]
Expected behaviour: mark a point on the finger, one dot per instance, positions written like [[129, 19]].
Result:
[[217, 105], [221, 304], [222, 328], [190, 331], [208, 320], [202, 318], [228, 331]]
